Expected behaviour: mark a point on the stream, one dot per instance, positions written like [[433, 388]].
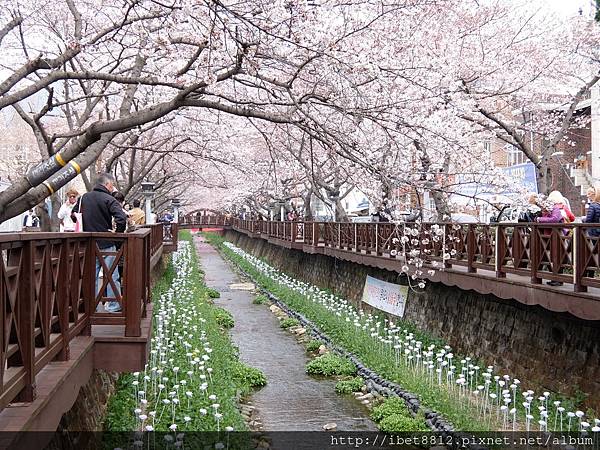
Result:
[[292, 400]]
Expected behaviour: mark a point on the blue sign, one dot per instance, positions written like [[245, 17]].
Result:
[[524, 175]]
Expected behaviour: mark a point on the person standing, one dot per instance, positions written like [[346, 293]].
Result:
[[98, 209], [31, 220], [593, 212], [590, 194], [137, 214], [556, 211], [532, 210], [66, 210]]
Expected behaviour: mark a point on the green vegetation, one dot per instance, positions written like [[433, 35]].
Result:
[[119, 415], [260, 299], [120, 405], [289, 322], [330, 365], [213, 293], [392, 415], [248, 377], [313, 345], [350, 385], [359, 342], [223, 318], [398, 422], [230, 379]]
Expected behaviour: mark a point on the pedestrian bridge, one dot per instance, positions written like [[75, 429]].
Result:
[[512, 260], [52, 337]]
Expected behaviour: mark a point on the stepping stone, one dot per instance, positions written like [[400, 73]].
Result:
[[242, 286]]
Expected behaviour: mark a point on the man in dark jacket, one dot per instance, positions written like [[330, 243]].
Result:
[[98, 209]]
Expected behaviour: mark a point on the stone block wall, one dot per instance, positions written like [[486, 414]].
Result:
[[546, 350], [87, 414]]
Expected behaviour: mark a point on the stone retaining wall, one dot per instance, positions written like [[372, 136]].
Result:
[[547, 350]]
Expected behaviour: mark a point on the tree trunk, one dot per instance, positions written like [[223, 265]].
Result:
[[441, 206], [42, 212], [54, 221], [542, 172], [340, 212], [308, 215]]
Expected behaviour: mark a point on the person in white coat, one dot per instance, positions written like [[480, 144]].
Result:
[[64, 213]]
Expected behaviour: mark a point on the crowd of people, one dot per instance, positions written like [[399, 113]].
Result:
[[556, 209], [105, 209]]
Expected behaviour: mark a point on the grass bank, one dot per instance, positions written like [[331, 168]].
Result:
[[194, 378]]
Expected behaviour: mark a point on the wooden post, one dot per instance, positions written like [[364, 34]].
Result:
[[25, 306], [356, 237], [471, 249], [175, 232], [377, 239], [535, 253], [339, 235], [579, 258], [500, 249], [132, 297]]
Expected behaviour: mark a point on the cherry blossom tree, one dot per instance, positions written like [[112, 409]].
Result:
[[388, 95]]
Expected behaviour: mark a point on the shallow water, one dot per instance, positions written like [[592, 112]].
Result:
[[291, 400]]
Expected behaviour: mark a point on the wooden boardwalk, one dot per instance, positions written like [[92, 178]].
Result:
[[52, 337]]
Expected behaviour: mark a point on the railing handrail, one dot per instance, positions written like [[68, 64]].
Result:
[[32, 236], [63, 267], [536, 250]]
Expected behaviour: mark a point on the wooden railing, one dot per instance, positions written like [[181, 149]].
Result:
[[49, 294], [156, 236], [556, 252], [170, 233], [131, 265], [199, 219]]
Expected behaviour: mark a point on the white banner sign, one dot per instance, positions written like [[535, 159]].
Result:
[[385, 296]]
